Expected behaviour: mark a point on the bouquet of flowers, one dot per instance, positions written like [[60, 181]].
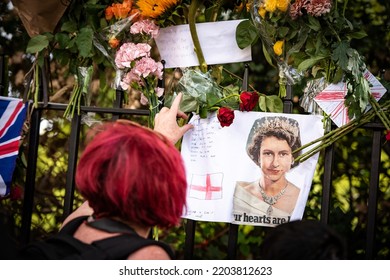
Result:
[[130, 40], [141, 71], [311, 39]]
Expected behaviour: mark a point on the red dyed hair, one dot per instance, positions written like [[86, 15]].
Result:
[[134, 173]]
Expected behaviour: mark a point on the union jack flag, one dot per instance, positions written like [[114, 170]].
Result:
[[12, 116]]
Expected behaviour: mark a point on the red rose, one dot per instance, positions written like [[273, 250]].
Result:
[[248, 100], [388, 135], [225, 116]]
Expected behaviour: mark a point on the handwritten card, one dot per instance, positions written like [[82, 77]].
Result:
[[217, 39]]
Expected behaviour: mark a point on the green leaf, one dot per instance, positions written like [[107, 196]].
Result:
[[357, 35], [262, 103], [37, 44], [267, 56], [63, 40], [340, 54], [314, 23], [84, 42], [69, 27], [307, 63], [212, 99], [274, 103], [246, 34], [283, 31]]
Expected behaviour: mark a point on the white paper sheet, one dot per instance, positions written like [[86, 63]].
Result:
[[217, 157], [217, 39]]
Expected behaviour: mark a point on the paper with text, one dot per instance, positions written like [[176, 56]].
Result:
[[217, 39], [216, 159]]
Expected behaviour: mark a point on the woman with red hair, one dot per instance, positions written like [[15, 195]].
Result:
[[132, 176]]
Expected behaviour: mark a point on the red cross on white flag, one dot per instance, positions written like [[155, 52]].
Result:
[[331, 99], [207, 186]]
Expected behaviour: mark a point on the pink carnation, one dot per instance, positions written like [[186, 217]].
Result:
[[144, 100], [296, 8], [317, 8], [128, 79], [159, 91], [314, 8], [128, 52], [145, 27], [148, 66]]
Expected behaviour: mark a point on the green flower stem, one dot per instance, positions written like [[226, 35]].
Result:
[[336, 134], [329, 141], [69, 111], [194, 35], [227, 97], [36, 82], [379, 112], [239, 78]]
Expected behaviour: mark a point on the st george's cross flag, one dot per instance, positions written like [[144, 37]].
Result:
[[12, 117], [206, 186]]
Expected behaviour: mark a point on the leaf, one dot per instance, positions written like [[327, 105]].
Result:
[[262, 103], [357, 35], [274, 103], [37, 44], [267, 56], [62, 39], [283, 31], [307, 63], [314, 23], [246, 34], [84, 42], [69, 27], [340, 54]]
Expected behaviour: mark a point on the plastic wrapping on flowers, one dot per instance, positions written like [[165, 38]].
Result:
[[80, 90], [265, 14], [127, 44], [200, 91]]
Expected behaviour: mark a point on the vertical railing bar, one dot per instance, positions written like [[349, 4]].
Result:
[[2, 75], [118, 102], [189, 239], [72, 162], [373, 193], [233, 228], [287, 101], [29, 188], [161, 84], [31, 169], [327, 184]]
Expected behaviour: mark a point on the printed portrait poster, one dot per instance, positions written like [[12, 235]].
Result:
[[243, 173]]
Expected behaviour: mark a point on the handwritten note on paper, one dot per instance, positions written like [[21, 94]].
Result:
[[217, 39]]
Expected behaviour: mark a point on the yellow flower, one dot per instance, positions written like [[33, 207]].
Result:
[[262, 12], [270, 5], [282, 5], [154, 9], [278, 48]]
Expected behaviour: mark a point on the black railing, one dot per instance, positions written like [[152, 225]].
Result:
[[190, 226]]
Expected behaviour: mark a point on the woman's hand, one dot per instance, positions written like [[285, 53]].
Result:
[[165, 121]]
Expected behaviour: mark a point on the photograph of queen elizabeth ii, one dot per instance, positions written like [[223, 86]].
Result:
[[264, 182], [271, 198]]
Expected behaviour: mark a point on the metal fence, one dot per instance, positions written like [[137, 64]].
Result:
[[116, 111]]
